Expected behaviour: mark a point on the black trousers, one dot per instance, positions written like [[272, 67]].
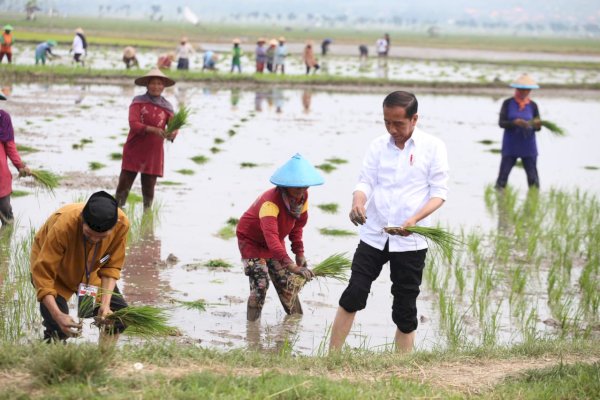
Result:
[[53, 332], [406, 272]]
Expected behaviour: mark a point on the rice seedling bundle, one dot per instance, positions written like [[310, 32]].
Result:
[[444, 241], [46, 179], [179, 120], [552, 127], [142, 320], [199, 305], [335, 267]]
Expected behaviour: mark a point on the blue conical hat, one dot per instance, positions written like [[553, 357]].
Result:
[[297, 172]]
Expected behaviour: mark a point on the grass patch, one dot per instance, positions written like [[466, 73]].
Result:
[[19, 193], [591, 167], [21, 148], [95, 165], [218, 263], [248, 165], [486, 142], [199, 305], [185, 171], [218, 140], [170, 183], [495, 151], [335, 232], [231, 132], [116, 156], [215, 150], [227, 232], [330, 208], [200, 159], [326, 167], [336, 160], [134, 198]]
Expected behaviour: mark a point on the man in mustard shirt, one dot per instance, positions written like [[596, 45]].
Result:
[[80, 249]]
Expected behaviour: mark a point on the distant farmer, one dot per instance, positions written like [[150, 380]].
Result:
[[129, 57], [388, 42], [271, 55], [6, 41], [403, 180], [280, 55], [184, 50], [209, 61], [261, 55], [363, 52], [79, 46], [309, 58], [382, 47], [325, 46], [79, 249], [236, 56], [44, 49], [165, 61], [8, 150], [520, 118], [143, 151], [278, 213]]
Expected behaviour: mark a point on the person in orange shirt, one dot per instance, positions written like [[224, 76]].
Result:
[[80, 249], [6, 41]]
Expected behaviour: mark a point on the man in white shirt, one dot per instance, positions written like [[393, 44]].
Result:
[[403, 180], [382, 47], [79, 46]]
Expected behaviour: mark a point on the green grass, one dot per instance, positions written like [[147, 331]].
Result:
[[185, 171], [200, 159], [248, 165], [116, 156], [218, 263], [336, 232], [486, 142], [227, 232], [21, 148], [326, 167], [199, 305], [19, 193], [95, 165], [336, 160], [215, 150], [591, 167], [169, 183], [330, 208]]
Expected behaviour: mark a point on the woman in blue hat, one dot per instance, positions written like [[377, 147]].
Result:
[[520, 118], [278, 213]]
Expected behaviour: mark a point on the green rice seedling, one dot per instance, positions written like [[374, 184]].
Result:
[[185, 171], [486, 142], [326, 167], [227, 232], [336, 232], [335, 267], [95, 165], [215, 150], [459, 276], [218, 141], [144, 321], [77, 146], [74, 363], [248, 165], [443, 240], [21, 148], [134, 198], [46, 179], [116, 156], [553, 128], [495, 151], [19, 193], [218, 263], [200, 159], [330, 208], [231, 132], [179, 120], [199, 305], [170, 183], [591, 167], [85, 141], [336, 160], [243, 119]]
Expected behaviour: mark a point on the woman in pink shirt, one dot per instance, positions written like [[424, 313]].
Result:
[[8, 149]]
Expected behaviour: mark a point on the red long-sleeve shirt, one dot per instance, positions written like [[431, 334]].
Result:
[[263, 228], [8, 150]]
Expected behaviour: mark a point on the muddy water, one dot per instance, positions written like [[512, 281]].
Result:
[[269, 126], [425, 68]]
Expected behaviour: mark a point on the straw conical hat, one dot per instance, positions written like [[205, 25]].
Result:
[[154, 73], [524, 82], [297, 172], [79, 30]]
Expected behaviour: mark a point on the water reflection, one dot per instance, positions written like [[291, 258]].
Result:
[[234, 98], [278, 99], [81, 95], [259, 98], [273, 337], [382, 68], [306, 100]]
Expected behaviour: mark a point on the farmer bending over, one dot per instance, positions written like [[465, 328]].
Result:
[[80, 249], [279, 212], [403, 180]]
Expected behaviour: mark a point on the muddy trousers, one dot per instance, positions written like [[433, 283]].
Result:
[[6, 213], [258, 271], [126, 180], [507, 164]]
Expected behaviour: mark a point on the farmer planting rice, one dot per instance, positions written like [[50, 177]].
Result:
[[403, 181], [278, 213], [8, 150], [520, 118], [80, 249], [44, 49], [143, 151]]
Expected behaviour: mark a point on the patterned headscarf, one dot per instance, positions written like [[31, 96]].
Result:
[[293, 206]]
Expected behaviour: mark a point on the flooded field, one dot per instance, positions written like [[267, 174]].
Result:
[[422, 70], [243, 136]]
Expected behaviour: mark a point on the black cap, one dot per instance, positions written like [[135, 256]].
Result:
[[101, 212]]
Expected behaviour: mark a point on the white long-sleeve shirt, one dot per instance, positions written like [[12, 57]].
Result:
[[398, 183], [78, 45]]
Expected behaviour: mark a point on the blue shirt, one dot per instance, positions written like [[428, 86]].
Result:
[[518, 141]]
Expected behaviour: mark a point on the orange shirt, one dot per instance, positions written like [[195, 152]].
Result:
[[57, 253], [5, 47]]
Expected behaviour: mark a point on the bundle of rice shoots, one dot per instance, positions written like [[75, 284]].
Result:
[[335, 267], [142, 320], [552, 127], [179, 120], [443, 240], [46, 179], [199, 304]]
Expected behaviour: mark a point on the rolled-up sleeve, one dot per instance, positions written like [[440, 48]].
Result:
[[368, 173], [439, 172]]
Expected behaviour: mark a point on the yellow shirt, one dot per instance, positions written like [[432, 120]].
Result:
[[57, 253]]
